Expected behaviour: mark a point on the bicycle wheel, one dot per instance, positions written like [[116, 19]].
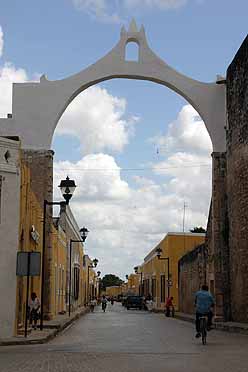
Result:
[[204, 331]]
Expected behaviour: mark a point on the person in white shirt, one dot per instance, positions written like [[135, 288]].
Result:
[[34, 309]]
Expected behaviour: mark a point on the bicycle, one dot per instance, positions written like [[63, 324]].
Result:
[[170, 311], [203, 328]]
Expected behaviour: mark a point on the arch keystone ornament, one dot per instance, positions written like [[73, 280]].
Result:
[[38, 106]]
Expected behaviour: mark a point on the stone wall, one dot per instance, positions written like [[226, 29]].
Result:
[[237, 180], [192, 274], [9, 231], [40, 164], [217, 236]]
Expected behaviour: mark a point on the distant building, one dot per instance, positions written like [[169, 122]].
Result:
[[113, 291], [157, 282]]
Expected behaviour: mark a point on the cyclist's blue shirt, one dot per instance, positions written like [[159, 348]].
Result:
[[204, 300]]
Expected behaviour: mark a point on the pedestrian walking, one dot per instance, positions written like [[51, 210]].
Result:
[[169, 307], [93, 303], [34, 310]]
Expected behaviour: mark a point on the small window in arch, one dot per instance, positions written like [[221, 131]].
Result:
[[132, 51]]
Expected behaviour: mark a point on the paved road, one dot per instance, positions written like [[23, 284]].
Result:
[[125, 341]]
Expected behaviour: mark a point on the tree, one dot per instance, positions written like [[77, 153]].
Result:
[[198, 230], [110, 280]]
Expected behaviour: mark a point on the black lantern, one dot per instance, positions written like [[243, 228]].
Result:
[[127, 277], [136, 269], [67, 188], [95, 262], [98, 273], [158, 251], [84, 233]]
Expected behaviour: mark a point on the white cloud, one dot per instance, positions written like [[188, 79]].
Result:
[[187, 133], [97, 119], [98, 176], [99, 9], [160, 4], [111, 11], [185, 153], [8, 75], [126, 221], [1, 41]]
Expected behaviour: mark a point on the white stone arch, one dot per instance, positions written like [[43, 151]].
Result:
[[37, 107]]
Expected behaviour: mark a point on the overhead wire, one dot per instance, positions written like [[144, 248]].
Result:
[[130, 169]]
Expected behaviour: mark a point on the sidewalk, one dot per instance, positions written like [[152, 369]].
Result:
[[233, 327], [50, 330]]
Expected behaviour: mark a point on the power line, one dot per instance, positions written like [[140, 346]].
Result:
[[130, 169]]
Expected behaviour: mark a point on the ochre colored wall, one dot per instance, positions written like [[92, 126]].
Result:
[[113, 291], [173, 246], [58, 272], [31, 214]]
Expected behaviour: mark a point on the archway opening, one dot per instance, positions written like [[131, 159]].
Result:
[[132, 51], [136, 161]]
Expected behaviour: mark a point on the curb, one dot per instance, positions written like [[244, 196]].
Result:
[[220, 326], [58, 328]]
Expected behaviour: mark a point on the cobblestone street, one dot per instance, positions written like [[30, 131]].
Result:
[[124, 341]]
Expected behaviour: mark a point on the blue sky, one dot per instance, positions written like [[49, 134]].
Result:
[[154, 128]]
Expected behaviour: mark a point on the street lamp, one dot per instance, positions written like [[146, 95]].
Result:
[[136, 270], [97, 289], [67, 188], [95, 262], [84, 233], [159, 251], [90, 266]]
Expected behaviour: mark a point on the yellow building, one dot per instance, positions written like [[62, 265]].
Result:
[[31, 215], [59, 269], [113, 291], [124, 288], [133, 284], [91, 281], [157, 280]]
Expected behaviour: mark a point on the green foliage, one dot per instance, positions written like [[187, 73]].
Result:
[[110, 280], [198, 230]]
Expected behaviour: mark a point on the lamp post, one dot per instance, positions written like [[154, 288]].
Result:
[[97, 289], [67, 188], [127, 281], [136, 270], [90, 266], [159, 251], [84, 233]]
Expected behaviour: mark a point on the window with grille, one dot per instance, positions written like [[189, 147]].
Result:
[[76, 274], [162, 286], [153, 287]]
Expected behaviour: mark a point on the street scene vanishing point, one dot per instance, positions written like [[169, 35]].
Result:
[[123, 186]]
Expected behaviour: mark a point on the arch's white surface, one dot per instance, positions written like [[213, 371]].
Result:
[[37, 107]]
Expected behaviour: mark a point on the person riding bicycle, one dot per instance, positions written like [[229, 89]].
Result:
[[104, 303], [204, 302]]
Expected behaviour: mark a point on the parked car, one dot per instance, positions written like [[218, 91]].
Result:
[[134, 302]]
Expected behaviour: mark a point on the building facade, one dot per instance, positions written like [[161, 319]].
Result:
[[75, 275], [9, 231], [30, 240], [160, 276]]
